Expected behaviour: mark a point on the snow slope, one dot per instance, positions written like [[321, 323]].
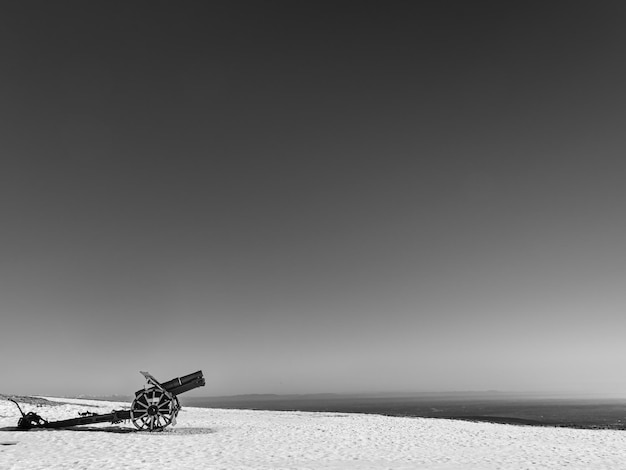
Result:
[[242, 439]]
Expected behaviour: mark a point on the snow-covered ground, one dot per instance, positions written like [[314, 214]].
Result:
[[241, 439]]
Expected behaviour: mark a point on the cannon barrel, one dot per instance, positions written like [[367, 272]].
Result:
[[184, 384]]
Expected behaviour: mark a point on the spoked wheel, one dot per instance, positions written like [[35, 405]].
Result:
[[154, 409]]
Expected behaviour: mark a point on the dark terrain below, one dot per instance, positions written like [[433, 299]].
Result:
[[498, 408]]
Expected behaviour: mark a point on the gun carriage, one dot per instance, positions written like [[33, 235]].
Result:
[[154, 408]]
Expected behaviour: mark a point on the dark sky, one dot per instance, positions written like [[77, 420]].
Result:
[[313, 196]]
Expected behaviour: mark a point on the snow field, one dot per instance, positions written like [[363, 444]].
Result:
[[244, 439]]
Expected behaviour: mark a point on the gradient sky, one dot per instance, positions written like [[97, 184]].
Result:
[[301, 197]]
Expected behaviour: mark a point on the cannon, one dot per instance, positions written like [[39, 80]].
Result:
[[154, 408]]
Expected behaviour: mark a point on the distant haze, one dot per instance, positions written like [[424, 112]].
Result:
[[305, 197]]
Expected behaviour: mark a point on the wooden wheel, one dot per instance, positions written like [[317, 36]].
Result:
[[154, 409]]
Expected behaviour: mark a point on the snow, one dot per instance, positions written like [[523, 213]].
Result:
[[245, 439]]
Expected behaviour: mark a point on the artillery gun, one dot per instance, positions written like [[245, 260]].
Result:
[[154, 408]]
